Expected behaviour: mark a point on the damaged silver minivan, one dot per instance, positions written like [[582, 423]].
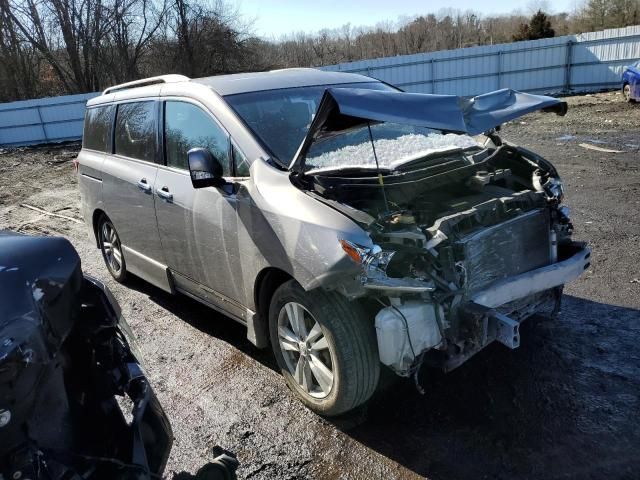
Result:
[[347, 224]]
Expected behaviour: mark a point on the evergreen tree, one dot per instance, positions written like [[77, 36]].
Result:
[[538, 27]]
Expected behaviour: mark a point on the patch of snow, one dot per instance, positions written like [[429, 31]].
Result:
[[566, 138], [37, 294], [390, 152]]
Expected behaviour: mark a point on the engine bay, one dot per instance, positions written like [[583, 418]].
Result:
[[447, 226]]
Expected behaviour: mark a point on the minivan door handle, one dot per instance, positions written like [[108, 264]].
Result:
[[144, 186], [164, 193]]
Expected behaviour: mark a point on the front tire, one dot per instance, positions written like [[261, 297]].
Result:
[[111, 249], [325, 347], [626, 93]]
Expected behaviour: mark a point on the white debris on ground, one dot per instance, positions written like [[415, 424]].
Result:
[[390, 152], [599, 149]]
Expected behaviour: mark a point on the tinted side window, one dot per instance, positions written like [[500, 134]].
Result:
[[188, 126], [97, 127], [135, 130]]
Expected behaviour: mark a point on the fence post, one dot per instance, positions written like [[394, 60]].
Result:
[[499, 69], [44, 130], [567, 70], [433, 78]]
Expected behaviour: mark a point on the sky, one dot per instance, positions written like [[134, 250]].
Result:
[[273, 18]]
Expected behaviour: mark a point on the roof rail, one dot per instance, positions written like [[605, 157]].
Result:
[[143, 82]]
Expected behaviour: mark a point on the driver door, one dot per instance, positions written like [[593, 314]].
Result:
[[198, 227]]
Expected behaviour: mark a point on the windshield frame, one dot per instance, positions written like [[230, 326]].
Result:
[[285, 164]]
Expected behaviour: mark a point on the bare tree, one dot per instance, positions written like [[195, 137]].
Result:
[[67, 34], [204, 39], [56, 46], [19, 75], [599, 14], [133, 25]]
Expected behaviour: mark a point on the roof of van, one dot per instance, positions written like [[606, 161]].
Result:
[[276, 79], [231, 84]]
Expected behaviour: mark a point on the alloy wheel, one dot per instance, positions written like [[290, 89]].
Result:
[[111, 247], [305, 349]]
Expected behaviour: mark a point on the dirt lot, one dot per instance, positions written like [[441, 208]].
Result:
[[566, 404]]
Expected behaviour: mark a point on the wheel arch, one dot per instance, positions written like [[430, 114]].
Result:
[[267, 282], [97, 214]]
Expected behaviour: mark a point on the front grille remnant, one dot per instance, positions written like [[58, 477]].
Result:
[[508, 248]]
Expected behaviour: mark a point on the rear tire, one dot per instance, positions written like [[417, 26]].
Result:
[[111, 249], [325, 347]]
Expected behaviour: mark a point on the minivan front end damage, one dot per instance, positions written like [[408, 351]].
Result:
[[467, 243]]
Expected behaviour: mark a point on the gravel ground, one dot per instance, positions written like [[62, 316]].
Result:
[[563, 405]]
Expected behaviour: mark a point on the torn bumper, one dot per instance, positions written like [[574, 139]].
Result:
[[487, 318], [538, 280]]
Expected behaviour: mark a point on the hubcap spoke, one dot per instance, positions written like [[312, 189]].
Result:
[[296, 319], [288, 340], [314, 333], [305, 349], [321, 344], [111, 247], [303, 374], [321, 372], [307, 381], [114, 263]]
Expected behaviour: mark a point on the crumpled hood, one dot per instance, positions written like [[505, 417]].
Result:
[[342, 109]]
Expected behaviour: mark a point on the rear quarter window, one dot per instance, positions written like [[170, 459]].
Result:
[[97, 127], [135, 132]]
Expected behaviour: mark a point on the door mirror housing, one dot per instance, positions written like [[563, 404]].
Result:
[[204, 168]]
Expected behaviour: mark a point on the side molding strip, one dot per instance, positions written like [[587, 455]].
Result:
[[148, 269]]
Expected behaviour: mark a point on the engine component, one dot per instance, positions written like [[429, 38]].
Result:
[[404, 331]]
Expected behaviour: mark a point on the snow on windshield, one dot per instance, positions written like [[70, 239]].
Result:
[[390, 151]]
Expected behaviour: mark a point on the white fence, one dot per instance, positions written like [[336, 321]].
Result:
[[573, 63]]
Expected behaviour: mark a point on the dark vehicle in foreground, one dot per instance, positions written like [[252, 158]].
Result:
[[631, 82], [345, 223], [74, 400], [75, 403]]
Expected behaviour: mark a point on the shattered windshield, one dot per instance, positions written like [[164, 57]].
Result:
[[394, 144], [281, 118]]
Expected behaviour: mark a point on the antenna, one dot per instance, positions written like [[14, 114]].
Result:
[[380, 179]]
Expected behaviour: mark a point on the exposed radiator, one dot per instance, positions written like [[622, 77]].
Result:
[[509, 248]]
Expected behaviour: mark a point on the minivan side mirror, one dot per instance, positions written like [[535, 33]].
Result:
[[204, 168]]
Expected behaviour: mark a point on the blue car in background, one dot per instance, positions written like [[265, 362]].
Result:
[[631, 82]]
